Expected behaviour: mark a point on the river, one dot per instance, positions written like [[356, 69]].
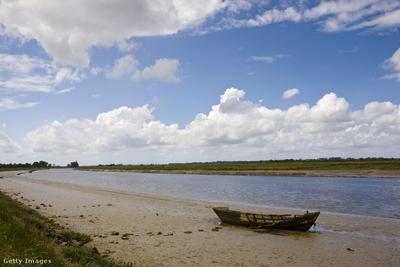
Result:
[[378, 197]]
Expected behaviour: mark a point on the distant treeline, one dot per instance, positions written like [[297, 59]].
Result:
[[36, 164], [331, 159], [336, 159], [335, 163]]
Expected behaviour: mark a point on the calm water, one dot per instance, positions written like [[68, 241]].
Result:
[[365, 196]]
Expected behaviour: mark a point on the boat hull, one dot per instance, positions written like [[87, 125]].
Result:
[[267, 221]]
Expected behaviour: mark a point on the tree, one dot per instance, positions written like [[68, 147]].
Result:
[[41, 164], [73, 164]]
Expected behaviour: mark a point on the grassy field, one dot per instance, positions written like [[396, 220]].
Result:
[[290, 167], [37, 241]]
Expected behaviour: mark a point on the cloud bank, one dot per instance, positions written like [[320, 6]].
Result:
[[234, 128], [67, 30]]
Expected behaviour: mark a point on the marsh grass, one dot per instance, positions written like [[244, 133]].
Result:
[[24, 233], [87, 257], [69, 236]]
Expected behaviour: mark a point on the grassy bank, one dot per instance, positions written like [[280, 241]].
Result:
[[37, 241], [362, 167]]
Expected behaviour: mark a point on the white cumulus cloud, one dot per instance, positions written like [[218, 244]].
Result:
[[123, 66], [233, 129], [290, 93], [164, 69], [67, 29], [114, 130]]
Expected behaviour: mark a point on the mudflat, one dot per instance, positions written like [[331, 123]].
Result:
[[154, 230]]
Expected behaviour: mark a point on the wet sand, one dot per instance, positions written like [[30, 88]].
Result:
[[164, 231]]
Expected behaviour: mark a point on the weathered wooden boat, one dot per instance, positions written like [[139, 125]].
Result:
[[301, 222]]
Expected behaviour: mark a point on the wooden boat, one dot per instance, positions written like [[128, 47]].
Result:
[[267, 221]]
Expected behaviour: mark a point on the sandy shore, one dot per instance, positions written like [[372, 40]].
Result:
[[156, 229]]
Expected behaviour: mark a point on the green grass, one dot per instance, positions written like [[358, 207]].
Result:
[[87, 257], [24, 233], [68, 236], [283, 165]]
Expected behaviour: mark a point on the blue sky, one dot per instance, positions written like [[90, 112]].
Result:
[[177, 66]]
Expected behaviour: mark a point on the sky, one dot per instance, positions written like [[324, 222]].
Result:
[[184, 80]]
